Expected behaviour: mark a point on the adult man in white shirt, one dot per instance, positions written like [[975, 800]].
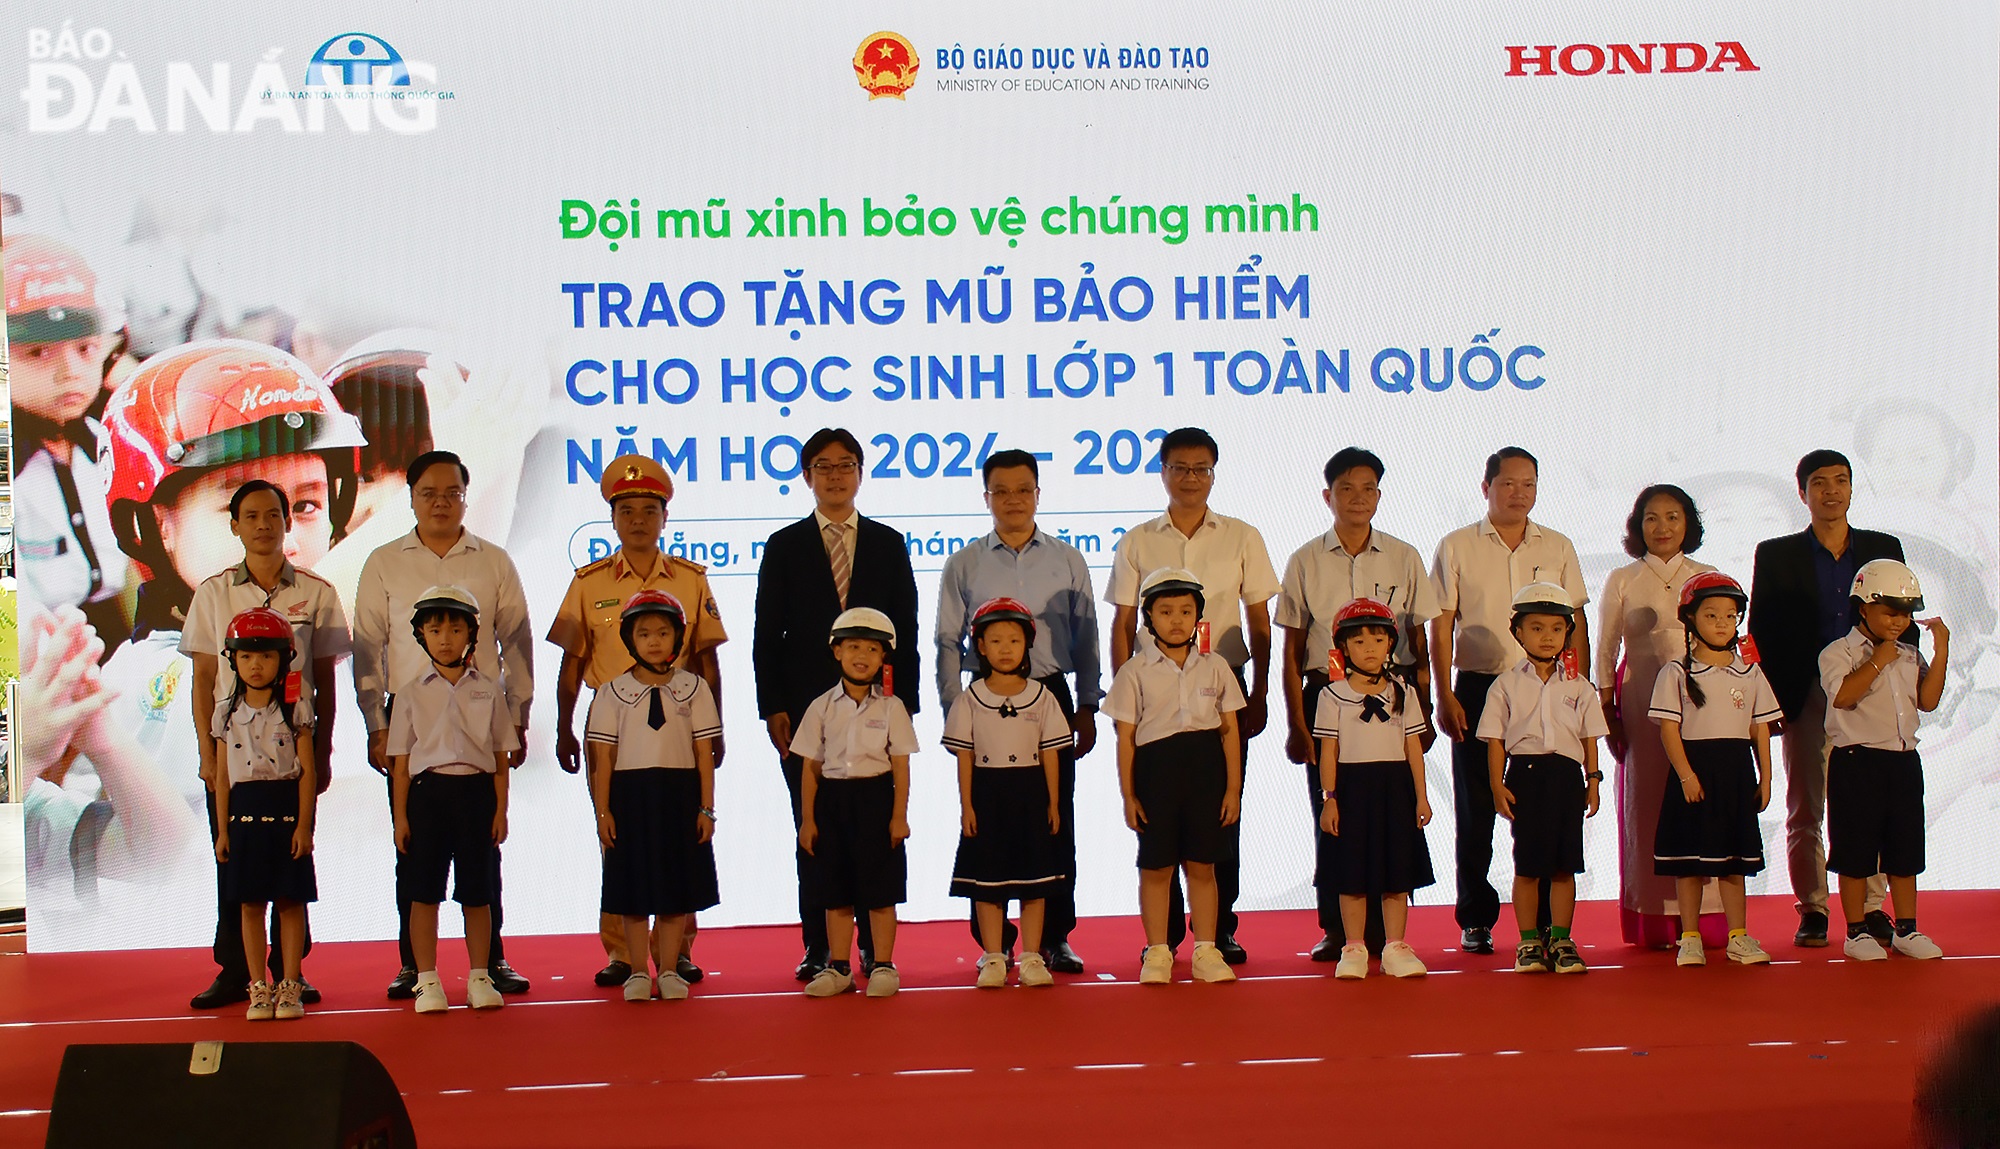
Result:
[[387, 656], [1476, 572], [1229, 557]]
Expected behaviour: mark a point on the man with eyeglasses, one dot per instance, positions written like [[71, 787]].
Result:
[[1018, 560], [832, 559], [1229, 557], [387, 656]]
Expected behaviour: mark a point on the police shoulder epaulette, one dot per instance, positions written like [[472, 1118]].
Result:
[[695, 567], [593, 568]]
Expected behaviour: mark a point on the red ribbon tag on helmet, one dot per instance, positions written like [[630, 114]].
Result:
[[1203, 632], [1570, 668], [1747, 647], [294, 682], [1336, 667]]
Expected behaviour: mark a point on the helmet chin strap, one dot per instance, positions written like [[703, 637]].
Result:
[[1730, 645], [653, 668], [853, 681], [1187, 644]]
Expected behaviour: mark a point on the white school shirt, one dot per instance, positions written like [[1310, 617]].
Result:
[[1226, 554], [1005, 730], [256, 743], [1640, 612], [1341, 716], [852, 739], [1736, 696], [453, 728], [1161, 700], [1476, 576], [1530, 716], [1886, 717], [1321, 577], [55, 566], [620, 713], [308, 602]]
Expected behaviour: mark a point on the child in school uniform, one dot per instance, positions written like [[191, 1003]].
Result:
[[855, 742], [1180, 766], [1006, 731], [1375, 802], [450, 737], [1875, 686], [651, 736], [1714, 709], [264, 803], [1541, 727]]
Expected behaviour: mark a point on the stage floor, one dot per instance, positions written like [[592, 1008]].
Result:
[[1812, 1050]]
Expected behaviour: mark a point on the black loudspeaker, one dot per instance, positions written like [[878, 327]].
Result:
[[212, 1094]]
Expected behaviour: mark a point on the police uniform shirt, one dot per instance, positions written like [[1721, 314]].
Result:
[[65, 552], [1161, 700], [1476, 576], [1050, 578], [852, 739], [1886, 717], [308, 602], [1735, 698], [152, 678], [1005, 730], [621, 717], [1321, 577], [1226, 554], [1366, 733], [453, 728], [586, 625], [1530, 716], [256, 743]]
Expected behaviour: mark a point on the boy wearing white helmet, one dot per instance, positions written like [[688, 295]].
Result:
[[1180, 766], [451, 739], [855, 742], [1875, 687], [1541, 723]]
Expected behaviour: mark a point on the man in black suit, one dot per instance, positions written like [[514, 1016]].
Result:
[[811, 571], [1799, 603]]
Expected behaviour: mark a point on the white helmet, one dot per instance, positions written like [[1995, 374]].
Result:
[[864, 622], [1888, 581], [448, 598], [1544, 598], [1171, 580]]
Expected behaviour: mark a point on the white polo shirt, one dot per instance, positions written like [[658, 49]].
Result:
[[1161, 700], [620, 716], [1886, 717], [256, 743], [308, 602], [852, 739], [1344, 715], [1476, 575], [1226, 554], [1321, 577], [453, 728], [1735, 698], [1005, 730], [1530, 716]]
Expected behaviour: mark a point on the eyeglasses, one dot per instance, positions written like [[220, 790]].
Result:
[[828, 470], [1005, 494], [1183, 471], [442, 498]]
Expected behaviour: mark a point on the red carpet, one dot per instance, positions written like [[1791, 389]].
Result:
[[1813, 1050]]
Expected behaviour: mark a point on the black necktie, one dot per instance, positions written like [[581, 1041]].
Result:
[[1373, 708], [656, 717]]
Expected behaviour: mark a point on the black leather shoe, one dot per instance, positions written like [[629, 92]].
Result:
[[226, 989], [1880, 927], [1232, 953], [308, 992], [1326, 949], [1812, 931], [809, 966], [505, 979], [1476, 940], [405, 986], [1062, 959], [690, 972], [613, 975]]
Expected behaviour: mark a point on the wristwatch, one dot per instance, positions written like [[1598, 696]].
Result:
[[1595, 775]]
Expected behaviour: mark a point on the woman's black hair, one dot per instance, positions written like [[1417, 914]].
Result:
[[1395, 680], [1635, 523]]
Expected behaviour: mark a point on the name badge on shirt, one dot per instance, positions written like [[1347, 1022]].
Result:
[[1203, 633], [294, 684], [684, 710], [1211, 692], [606, 602], [876, 723]]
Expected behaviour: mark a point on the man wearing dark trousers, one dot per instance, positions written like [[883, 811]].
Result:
[[1475, 574], [811, 571], [1017, 560], [1799, 604]]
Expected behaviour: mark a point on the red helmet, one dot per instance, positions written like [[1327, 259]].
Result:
[[653, 602], [259, 628], [1008, 609], [1365, 612], [1711, 584], [51, 291]]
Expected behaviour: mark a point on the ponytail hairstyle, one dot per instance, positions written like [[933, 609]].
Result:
[[1687, 669]]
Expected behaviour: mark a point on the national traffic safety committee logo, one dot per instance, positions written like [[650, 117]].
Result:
[[885, 65]]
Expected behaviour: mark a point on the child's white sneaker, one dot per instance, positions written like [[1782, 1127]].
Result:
[[1691, 952], [1744, 950], [1916, 945], [673, 987], [1035, 971], [1208, 964], [430, 994], [1353, 962], [639, 987], [1399, 960], [261, 1001], [992, 971], [1156, 966], [884, 981], [289, 1007], [479, 992], [1864, 947], [830, 982]]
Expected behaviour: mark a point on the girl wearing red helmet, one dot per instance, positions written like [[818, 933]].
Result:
[[1006, 732], [1375, 805], [264, 804]]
